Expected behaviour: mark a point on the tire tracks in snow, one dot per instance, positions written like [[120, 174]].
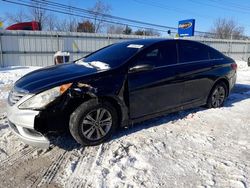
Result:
[[12, 159], [82, 175], [21, 169], [53, 169], [32, 170]]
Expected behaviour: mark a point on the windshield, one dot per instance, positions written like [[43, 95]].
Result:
[[111, 56]]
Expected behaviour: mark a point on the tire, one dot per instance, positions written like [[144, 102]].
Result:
[[91, 120], [217, 95]]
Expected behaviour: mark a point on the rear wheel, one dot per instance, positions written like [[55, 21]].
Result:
[[217, 96], [93, 123]]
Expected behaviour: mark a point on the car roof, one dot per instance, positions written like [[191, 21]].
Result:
[[146, 42], [151, 41]]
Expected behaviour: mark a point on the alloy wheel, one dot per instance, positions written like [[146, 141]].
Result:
[[96, 124], [218, 96]]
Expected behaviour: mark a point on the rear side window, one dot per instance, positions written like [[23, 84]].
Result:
[[191, 51], [214, 54], [169, 53], [160, 55]]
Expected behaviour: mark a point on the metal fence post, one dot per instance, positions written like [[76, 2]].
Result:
[[1, 52], [57, 37], [246, 50]]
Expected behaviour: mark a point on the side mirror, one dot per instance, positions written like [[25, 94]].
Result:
[[139, 68]]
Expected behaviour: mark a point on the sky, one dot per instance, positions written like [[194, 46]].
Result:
[[166, 12]]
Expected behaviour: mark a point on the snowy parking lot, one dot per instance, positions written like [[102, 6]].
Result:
[[194, 148]]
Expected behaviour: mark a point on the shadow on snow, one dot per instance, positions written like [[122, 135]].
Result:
[[239, 93]]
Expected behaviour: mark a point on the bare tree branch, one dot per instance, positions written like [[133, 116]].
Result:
[[19, 16], [115, 29], [37, 13], [127, 30], [67, 25], [147, 32], [227, 29], [99, 9], [51, 22]]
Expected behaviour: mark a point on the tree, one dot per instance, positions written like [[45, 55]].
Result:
[[152, 32], [51, 23], [98, 10], [86, 26], [13, 18], [37, 13], [227, 29], [139, 32], [147, 32], [113, 29], [72, 24], [127, 31]]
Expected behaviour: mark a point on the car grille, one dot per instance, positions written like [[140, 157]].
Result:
[[15, 96]]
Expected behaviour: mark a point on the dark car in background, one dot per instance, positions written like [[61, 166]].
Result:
[[117, 86]]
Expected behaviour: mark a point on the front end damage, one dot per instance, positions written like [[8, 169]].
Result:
[[33, 126], [22, 124]]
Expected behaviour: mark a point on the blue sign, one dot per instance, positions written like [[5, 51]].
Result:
[[186, 27]]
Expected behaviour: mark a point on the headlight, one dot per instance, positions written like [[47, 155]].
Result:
[[44, 98]]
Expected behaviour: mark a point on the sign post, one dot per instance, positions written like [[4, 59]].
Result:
[[186, 28]]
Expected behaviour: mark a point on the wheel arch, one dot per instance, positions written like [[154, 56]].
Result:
[[225, 81], [117, 104], [115, 101]]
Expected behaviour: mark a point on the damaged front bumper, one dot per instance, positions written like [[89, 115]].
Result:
[[22, 123]]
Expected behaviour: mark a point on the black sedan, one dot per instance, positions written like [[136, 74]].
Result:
[[118, 85]]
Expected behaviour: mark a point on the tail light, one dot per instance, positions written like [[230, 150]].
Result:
[[234, 66]]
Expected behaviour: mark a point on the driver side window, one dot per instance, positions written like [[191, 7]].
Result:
[[150, 57], [161, 55]]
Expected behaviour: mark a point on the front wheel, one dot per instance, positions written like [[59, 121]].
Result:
[[93, 123], [217, 96]]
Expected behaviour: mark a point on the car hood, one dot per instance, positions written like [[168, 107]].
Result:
[[53, 76]]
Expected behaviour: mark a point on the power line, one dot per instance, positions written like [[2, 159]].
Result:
[[170, 8], [93, 13], [104, 15], [231, 4], [82, 16], [226, 7], [222, 7], [107, 16], [88, 14], [155, 3]]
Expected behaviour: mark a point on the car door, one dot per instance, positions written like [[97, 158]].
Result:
[[194, 69], [152, 82]]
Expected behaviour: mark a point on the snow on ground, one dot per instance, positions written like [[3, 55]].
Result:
[[194, 148], [9, 75]]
